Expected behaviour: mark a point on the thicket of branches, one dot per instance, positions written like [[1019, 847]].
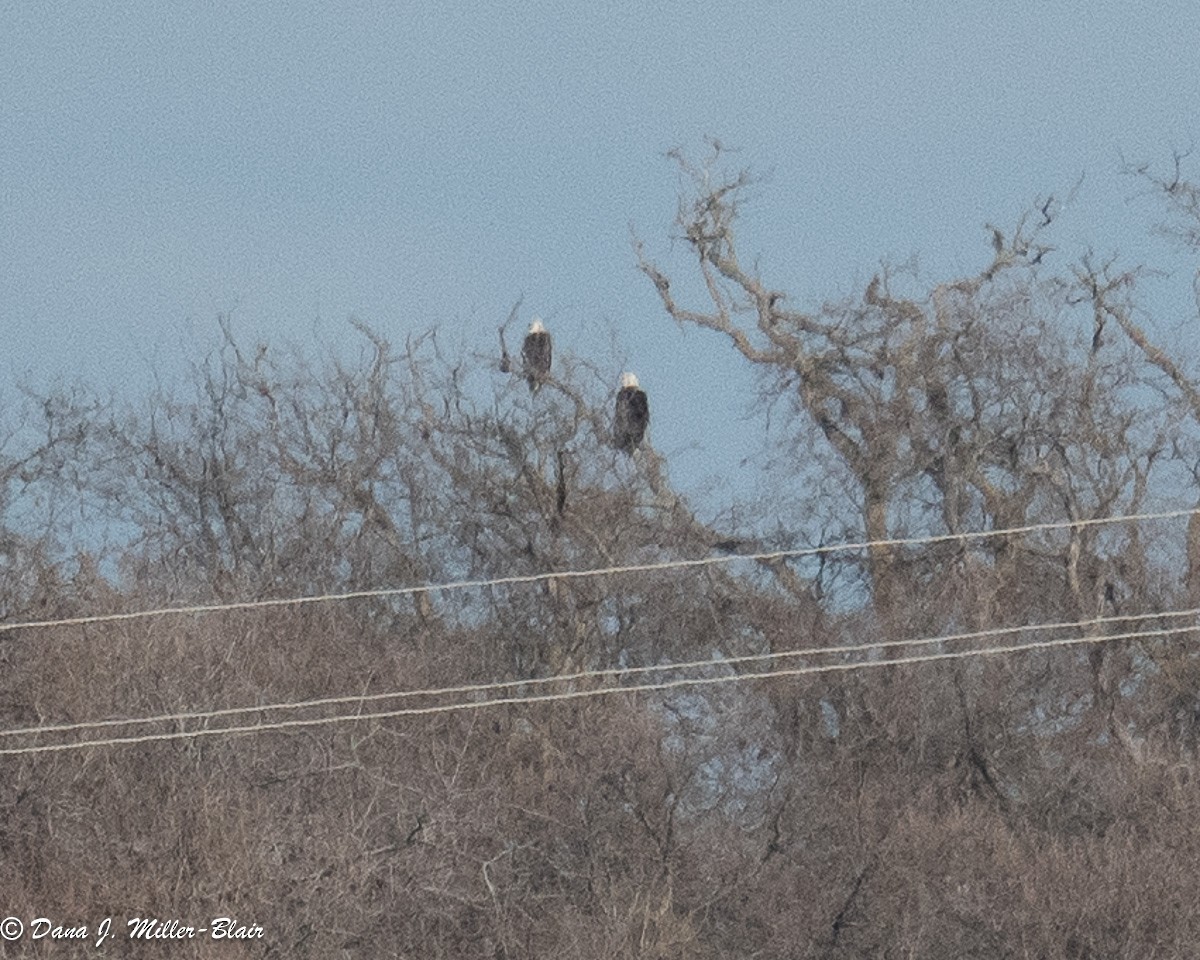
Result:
[[1032, 805]]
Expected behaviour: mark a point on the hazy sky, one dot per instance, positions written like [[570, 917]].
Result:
[[297, 163]]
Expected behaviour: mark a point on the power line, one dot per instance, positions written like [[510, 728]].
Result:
[[592, 572], [580, 694], [596, 674]]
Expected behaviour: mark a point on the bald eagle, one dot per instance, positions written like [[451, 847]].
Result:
[[632, 416], [536, 353]]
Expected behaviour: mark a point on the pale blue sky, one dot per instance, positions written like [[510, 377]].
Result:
[[418, 164]]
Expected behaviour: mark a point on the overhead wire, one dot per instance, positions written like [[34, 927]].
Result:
[[289, 724], [608, 672], [592, 674], [615, 570]]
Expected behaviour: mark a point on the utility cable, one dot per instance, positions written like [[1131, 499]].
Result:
[[579, 574], [580, 694], [593, 674]]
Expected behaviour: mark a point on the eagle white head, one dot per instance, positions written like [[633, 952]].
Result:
[[629, 380], [536, 326]]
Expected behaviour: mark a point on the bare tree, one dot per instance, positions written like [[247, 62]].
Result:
[[989, 806]]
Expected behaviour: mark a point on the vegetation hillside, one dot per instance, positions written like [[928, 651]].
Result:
[[487, 784]]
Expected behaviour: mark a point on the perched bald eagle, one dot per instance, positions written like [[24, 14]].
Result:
[[536, 353], [633, 414]]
